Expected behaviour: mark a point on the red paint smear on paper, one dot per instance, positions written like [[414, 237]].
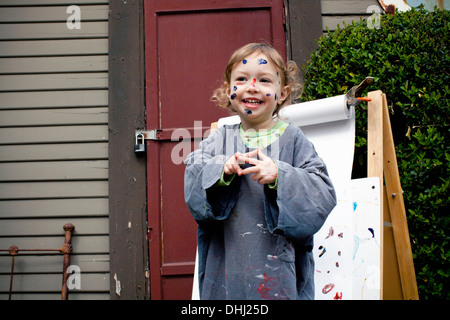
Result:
[[265, 287], [338, 296], [327, 288]]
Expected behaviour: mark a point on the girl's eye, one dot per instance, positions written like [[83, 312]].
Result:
[[265, 80], [240, 79]]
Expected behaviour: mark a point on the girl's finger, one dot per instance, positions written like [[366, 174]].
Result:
[[251, 154], [248, 160], [261, 154], [250, 170], [237, 168]]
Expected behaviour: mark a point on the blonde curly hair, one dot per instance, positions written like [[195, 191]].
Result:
[[288, 72]]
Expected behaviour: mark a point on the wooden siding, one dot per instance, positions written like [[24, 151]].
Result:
[[338, 12], [54, 145]]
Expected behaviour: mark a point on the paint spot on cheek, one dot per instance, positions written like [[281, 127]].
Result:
[[233, 96], [244, 61], [276, 97], [268, 95], [234, 88]]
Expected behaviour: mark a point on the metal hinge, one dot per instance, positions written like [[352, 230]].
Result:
[[173, 134], [170, 134]]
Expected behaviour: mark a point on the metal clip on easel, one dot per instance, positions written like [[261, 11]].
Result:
[[354, 94]]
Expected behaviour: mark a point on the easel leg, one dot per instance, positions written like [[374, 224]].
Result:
[[375, 159], [397, 211], [399, 280]]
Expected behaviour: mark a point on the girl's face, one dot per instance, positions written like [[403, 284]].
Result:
[[255, 91]]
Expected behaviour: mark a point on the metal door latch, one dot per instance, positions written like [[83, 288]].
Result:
[[139, 145]]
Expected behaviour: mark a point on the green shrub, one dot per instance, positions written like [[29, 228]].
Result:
[[408, 55]]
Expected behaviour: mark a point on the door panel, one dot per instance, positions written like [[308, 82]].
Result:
[[188, 44], [190, 74]]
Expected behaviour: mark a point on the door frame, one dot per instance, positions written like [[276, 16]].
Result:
[[129, 275]]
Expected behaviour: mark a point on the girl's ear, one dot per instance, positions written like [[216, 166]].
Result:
[[227, 88], [285, 91]]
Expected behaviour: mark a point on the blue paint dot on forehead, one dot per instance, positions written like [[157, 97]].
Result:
[[262, 61], [244, 61]]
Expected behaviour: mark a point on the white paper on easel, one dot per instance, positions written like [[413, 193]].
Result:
[[367, 224], [347, 249], [330, 125]]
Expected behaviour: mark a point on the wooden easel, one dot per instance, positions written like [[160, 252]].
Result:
[[397, 268]]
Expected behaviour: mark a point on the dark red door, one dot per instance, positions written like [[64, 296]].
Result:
[[188, 44]]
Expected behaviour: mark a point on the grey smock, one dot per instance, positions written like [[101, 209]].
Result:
[[255, 242]]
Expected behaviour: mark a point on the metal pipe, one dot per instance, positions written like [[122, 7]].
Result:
[[66, 249], [13, 251]]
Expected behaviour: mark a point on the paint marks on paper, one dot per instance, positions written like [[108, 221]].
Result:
[[338, 296], [327, 288], [330, 232], [332, 253], [323, 251]]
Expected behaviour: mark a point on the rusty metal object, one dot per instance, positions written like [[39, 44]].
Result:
[[66, 250], [13, 251]]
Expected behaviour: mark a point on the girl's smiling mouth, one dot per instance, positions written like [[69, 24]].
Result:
[[252, 102]]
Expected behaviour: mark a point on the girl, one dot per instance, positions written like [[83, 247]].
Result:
[[257, 190]]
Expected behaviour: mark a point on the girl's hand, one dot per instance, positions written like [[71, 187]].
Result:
[[264, 170], [232, 165]]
